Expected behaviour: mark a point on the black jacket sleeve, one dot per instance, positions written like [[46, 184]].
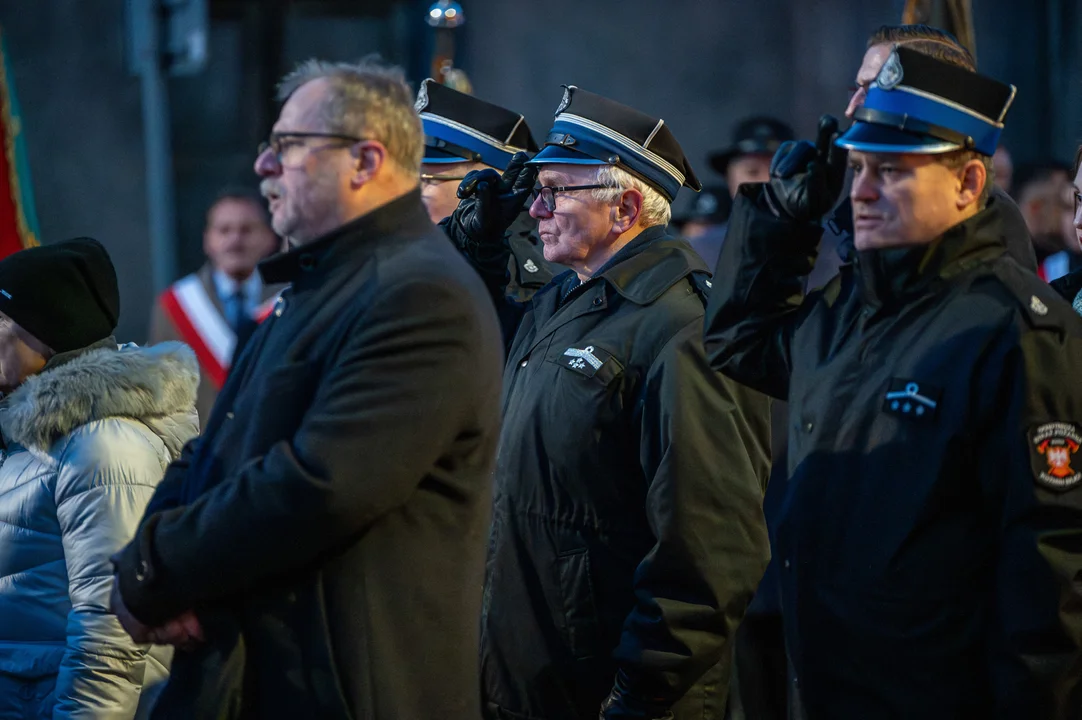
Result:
[[705, 451], [758, 291], [168, 493], [491, 261], [381, 415], [1031, 391]]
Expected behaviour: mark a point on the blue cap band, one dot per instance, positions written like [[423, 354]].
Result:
[[601, 146], [486, 149], [906, 102]]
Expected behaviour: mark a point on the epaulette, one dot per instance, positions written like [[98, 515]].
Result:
[[1040, 304], [702, 284]]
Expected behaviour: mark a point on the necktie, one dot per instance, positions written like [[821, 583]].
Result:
[[234, 310]]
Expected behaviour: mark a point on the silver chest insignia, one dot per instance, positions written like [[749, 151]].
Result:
[[579, 359], [911, 399]]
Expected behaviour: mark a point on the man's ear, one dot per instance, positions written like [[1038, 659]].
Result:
[[368, 158], [626, 212], [974, 176]]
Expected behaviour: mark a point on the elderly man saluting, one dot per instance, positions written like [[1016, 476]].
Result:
[[628, 534]]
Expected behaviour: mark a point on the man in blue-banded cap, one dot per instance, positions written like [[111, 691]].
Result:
[[627, 533], [462, 134], [929, 541]]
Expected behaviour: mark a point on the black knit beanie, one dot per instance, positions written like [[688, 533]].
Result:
[[64, 294]]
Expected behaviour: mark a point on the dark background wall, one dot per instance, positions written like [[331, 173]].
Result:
[[700, 64]]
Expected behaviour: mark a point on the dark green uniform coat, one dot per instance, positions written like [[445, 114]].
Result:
[[628, 529], [933, 517]]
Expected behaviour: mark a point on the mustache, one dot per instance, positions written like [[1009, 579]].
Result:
[[269, 187]]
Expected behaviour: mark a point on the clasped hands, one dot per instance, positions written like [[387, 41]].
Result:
[[184, 631]]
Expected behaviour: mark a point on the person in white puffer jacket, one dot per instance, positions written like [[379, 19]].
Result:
[[88, 429]]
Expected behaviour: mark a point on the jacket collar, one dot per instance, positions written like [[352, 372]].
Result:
[[650, 264], [890, 276], [1069, 285], [83, 386], [308, 265]]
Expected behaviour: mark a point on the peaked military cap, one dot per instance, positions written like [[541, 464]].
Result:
[[760, 135], [462, 128], [593, 130], [919, 104]]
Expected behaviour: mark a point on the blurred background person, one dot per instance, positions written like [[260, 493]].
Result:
[[1003, 164], [747, 158], [1046, 200], [217, 308], [704, 224], [1070, 286], [87, 433]]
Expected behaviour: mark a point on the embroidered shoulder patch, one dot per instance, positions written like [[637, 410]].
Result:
[[1052, 454]]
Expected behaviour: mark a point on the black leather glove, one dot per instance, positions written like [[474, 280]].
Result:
[[490, 203], [806, 179], [623, 704]]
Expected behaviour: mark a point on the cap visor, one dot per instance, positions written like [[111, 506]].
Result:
[[868, 137], [436, 156], [554, 154]]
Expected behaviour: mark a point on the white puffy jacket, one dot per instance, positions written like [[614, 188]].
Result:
[[87, 441]]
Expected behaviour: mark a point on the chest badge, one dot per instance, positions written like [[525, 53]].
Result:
[[912, 399], [530, 266], [1052, 453], [579, 359]]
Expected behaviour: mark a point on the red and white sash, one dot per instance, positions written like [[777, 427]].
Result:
[[203, 327]]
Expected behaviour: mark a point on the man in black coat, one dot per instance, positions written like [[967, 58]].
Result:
[[628, 532], [928, 541], [319, 552]]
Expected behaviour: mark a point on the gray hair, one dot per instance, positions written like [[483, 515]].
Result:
[[368, 99], [656, 210]]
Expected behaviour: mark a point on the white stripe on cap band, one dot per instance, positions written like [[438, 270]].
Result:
[[949, 103], [653, 132], [521, 119], [486, 139], [625, 141], [1007, 105]]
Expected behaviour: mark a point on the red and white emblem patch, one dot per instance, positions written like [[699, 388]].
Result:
[[1052, 450]]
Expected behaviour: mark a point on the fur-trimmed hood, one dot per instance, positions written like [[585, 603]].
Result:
[[155, 385]]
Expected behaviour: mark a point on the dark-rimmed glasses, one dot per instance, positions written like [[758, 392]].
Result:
[[281, 144], [548, 193], [427, 179]]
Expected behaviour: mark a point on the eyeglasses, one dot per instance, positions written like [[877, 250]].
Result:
[[429, 180], [548, 193], [288, 146]]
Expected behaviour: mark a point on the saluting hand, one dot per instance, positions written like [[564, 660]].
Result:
[[806, 179], [491, 202]]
